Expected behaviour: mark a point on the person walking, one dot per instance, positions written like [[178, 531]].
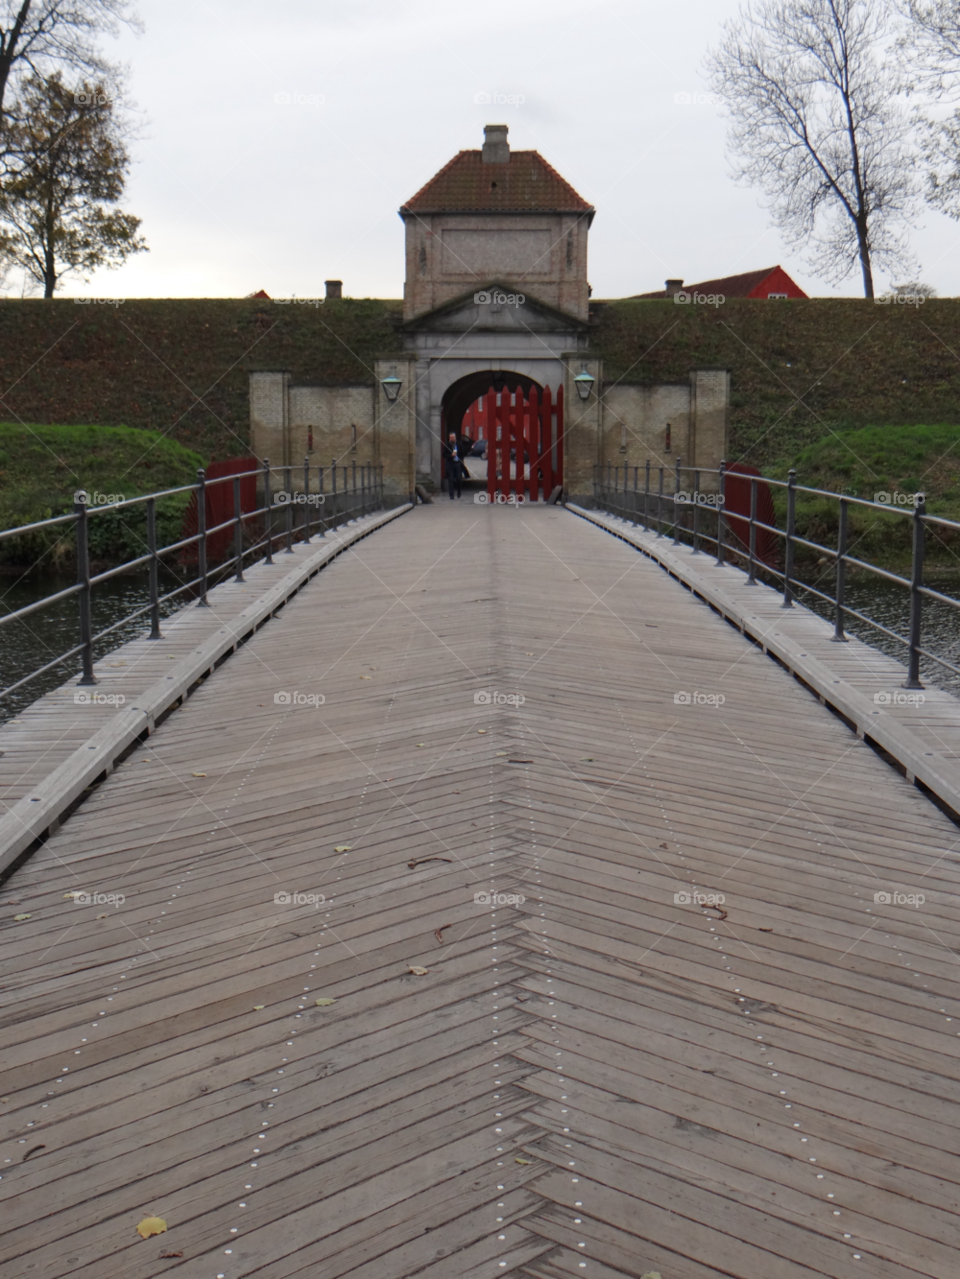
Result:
[[452, 465]]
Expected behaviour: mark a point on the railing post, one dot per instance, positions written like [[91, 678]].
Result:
[[636, 494], [676, 514], [721, 498], [83, 577], [333, 489], [696, 512], [288, 485], [202, 536], [788, 549], [306, 499], [237, 529], [660, 505], [752, 575], [154, 569], [838, 634], [268, 503], [353, 497], [916, 599], [646, 499], [321, 504]]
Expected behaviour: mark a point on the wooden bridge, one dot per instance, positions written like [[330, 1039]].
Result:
[[546, 944]]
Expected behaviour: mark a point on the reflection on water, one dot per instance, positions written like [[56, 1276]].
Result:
[[35, 640]]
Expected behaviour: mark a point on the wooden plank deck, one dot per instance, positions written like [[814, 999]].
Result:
[[604, 1080]]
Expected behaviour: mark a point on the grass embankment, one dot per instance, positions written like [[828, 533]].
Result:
[[42, 466], [897, 461]]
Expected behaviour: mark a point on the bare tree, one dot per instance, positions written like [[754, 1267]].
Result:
[[57, 211], [37, 36], [811, 91], [931, 48]]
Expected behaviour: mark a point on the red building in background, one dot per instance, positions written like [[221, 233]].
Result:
[[770, 282]]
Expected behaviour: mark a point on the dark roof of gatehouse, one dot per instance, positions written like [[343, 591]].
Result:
[[524, 184]]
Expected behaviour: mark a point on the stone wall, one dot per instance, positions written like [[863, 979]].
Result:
[[544, 256]]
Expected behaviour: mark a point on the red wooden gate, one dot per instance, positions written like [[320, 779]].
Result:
[[524, 444]]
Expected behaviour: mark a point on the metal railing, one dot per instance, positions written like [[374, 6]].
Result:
[[338, 495], [627, 491]]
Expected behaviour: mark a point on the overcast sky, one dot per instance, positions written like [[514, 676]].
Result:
[[241, 191]]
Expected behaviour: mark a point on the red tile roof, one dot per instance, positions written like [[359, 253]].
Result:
[[526, 184], [743, 286]]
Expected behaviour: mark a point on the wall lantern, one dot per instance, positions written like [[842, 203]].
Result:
[[391, 385], [584, 383]]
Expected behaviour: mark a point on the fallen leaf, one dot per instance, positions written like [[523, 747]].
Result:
[[651, 1274], [151, 1226], [32, 1151], [325, 1002], [258, 1008], [418, 971], [420, 862], [501, 752], [73, 896], [766, 930], [481, 730], [103, 916], [419, 744], [519, 761], [663, 845], [366, 677], [438, 931], [166, 1253], [342, 848], [586, 759], [523, 1161], [19, 918], [198, 774]]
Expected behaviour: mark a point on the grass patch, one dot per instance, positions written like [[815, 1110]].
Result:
[[42, 466]]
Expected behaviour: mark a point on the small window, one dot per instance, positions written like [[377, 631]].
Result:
[[777, 295]]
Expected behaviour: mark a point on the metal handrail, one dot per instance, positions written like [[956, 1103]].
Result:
[[626, 503], [352, 500]]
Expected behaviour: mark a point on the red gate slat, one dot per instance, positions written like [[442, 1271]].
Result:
[[546, 437], [535, 448], [558, 476], [490, 430]]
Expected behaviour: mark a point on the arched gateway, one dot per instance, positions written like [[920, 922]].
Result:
[[495, 294]]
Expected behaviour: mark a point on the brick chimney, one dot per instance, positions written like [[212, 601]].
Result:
[[673, 288], [334, 289], [496, 148]]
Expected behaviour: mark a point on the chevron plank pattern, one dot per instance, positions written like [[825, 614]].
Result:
[[477, 953]]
